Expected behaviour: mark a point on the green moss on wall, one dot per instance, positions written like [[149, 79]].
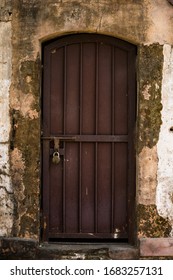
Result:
[[25, 138], [150, 224], [150, 65]]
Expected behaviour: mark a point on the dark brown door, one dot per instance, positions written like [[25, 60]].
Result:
[[89, 107]]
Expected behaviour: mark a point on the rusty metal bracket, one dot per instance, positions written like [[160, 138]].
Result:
[[60, 138], [56, 144]]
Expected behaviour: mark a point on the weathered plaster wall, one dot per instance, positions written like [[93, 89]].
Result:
[[146, 23], [6, 190], [164, 198], [161, 22], [150, 74], [154, 188], [114, 17]]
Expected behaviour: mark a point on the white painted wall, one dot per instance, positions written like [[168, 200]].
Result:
[[6, 204], [164, 193]]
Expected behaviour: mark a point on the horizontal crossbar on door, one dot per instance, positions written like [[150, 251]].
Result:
[[89, 138]]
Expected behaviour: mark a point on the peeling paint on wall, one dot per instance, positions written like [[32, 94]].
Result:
[[6, 191], [23, 99], [165, 144], [147, 176]]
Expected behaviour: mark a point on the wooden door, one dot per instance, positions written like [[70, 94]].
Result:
[[89, 106]]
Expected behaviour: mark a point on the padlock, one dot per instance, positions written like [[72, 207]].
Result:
[[56, 157]]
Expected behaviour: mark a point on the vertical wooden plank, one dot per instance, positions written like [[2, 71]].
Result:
[[121, 92], [46, 92], [112, 185], [89, 88], [88, 182], [56, 195], [56, 128], [80, 187], [80, 132], [45, 192], [104, 127], [113, 148], [113, 89], [73, 87], [96, 190], [72, 187], [56, 96], [81, 89], [105, 90], [64, 92], [120, 191], [89, 126], [96, 88], [104, 187], [121, 127], [96, 131]]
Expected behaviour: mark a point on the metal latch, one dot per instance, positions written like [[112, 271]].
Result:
[[57, 151], [56, 155]]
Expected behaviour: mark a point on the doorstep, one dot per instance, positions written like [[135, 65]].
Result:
[[89, 251], [18, 249]]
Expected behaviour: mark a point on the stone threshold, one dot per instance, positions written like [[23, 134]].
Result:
[[18, 249]]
